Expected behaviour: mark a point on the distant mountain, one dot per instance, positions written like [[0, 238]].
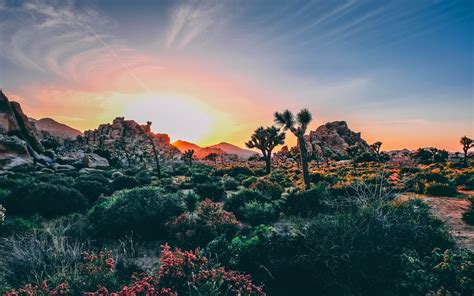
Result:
[[220, 148], [183, 146], [232, 149], [56, 128]]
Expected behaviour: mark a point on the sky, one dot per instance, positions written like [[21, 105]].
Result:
[[400, 72]]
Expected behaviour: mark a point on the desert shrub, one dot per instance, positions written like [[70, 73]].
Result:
[[256, 213], [436, 189], [143, 211], [268, 188], [249, 181], [466, 179], [236, 203], [434, 177], [19, 225], [365, 157], [468, 215], [448, 272], [231, 184], [95, 177], [209, 220], [356, 250], [124, 182], [307, 203], [236, 171], [143, 178], [200, 179], [45, 199], [90, 189], [213, 191]]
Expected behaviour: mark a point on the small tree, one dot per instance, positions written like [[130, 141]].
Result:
[[212, 157], [466, 145], [298, 127], [188, 156], [375, 147], [266, 139], [353, 152]]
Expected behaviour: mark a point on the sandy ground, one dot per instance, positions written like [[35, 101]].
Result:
[[451, 209]]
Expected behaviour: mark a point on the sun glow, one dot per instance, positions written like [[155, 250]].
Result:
[[180, 116]]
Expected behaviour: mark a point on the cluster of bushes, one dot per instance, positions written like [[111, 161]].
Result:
[[332, 239]]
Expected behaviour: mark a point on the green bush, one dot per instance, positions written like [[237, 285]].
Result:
[[434, 177], [236, 203], [213, 191], [249, 181], [231, 184], [200, 179], [436, 189], [95, 177], [256, 213], [307, 203], [124, 182], [143, 211], [90, 189], [468, 215], [354, 251], [268, 188], [45, 199]]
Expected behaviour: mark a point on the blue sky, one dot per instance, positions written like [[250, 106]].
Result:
[[399, 71]]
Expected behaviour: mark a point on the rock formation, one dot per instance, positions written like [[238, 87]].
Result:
[[128, 139], [19, 141], [331, 140]]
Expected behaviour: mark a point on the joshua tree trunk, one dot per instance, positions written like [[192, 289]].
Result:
[[304, 160], [155, 154], [465, 155]]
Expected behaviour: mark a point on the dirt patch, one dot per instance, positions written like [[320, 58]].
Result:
[[450, 209]]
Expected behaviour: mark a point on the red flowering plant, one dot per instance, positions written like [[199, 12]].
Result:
[[97, 270], [193, 229], [191, 273], [186, 273], [35, 290]]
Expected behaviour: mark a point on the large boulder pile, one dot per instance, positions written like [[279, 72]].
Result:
[[331, 141], [19, 140], [128, 139]]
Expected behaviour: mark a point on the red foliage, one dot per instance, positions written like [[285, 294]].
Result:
[[34, 290]]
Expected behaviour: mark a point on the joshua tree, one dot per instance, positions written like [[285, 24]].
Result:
[[298, 127], [466, 145], [353, 151], [266, 139], [188, 156], [375, 147], [153, 146]]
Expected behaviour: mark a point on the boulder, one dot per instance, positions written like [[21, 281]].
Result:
[[331, 140], [63, 167], [94, 161]]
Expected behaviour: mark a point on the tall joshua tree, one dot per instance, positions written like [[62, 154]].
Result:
[[466, 145], [188, 156], [266, 139], [298, 127]]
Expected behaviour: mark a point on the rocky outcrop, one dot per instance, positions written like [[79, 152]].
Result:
[[129, 140], [19, 141], [330, 141], [94, 161]]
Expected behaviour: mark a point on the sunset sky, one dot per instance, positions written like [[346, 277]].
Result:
[[209, 71]]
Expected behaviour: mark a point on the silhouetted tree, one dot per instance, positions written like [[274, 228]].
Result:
[[188, 156], [375, 147], [266, 139], [212, 157], [298, 127], [466, 145]]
